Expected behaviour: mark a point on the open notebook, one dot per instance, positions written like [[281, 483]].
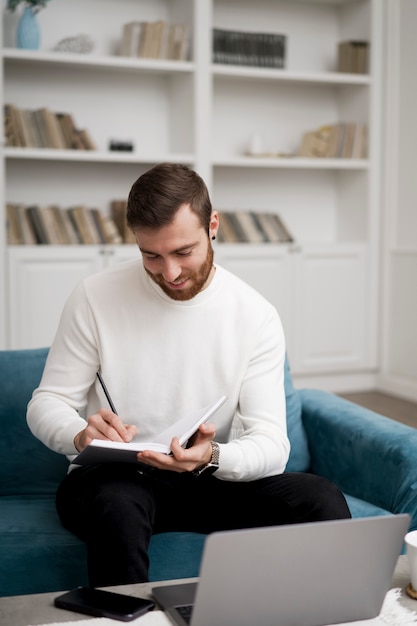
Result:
[[104, 451]]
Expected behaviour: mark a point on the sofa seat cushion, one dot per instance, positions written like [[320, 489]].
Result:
[[32, 534], [360, 508], [175, 555]]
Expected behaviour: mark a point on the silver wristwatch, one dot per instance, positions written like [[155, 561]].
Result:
[[213, 464]]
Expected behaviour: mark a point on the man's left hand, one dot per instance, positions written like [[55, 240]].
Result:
[[183, 459]]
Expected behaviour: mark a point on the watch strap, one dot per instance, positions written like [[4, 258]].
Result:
[[213, 464]]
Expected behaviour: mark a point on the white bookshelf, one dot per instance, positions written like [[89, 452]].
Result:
[[204, 114]]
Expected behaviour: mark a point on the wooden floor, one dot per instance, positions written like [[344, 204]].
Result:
[[397, 408]]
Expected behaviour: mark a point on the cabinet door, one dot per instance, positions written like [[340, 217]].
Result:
[[266, 269], [40, 281], [332, 330]]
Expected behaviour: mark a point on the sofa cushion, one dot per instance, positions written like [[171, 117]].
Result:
[[299, 460], [360, 508], [31, 534], [34, 468], [175, 555], [37, 553]]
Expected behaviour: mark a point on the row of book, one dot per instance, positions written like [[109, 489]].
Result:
[[252, 227], [344, 140], [353, 57], [249, 48], [155, 40], [54, 225], [34, 224], [42, 128]]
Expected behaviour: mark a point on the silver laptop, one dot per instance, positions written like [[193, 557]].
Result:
[[305, 574]]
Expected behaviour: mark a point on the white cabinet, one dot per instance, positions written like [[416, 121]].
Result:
[[331, 310], [267, 269], [40, 280], [204, 114]]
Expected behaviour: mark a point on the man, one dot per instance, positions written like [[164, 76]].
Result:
[[171, 333]]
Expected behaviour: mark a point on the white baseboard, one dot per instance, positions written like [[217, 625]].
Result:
[[344, 382], [398, 386]]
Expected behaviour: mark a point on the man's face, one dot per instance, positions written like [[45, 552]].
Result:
[[179, 257]]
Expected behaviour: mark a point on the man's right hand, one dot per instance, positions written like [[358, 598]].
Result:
[[104, 425]]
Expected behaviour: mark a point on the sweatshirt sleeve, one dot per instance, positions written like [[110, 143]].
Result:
[[262, 448], [55, 413]]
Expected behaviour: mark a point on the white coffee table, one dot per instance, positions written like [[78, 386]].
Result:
[[39, 608]]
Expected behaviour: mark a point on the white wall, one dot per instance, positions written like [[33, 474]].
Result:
[[399, 340]]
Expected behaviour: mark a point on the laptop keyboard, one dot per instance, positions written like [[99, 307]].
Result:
[[185, 610]]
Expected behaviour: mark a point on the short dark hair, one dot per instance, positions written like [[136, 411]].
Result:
[[156, 196]]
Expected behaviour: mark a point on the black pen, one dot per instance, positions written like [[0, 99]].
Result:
[[110, 401]]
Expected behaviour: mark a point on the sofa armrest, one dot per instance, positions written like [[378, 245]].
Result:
[[366, 455]]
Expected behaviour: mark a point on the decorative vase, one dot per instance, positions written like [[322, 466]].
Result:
[[28, 34]]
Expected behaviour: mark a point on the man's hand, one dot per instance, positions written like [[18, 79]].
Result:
[[104, 425], [183, 459]]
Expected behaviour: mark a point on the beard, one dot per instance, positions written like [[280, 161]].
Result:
[[196, 280]]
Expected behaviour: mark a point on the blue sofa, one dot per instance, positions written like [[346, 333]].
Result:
[[370, 457]]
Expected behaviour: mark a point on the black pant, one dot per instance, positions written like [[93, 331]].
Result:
[[116, 508]]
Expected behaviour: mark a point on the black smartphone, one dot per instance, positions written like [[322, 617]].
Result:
[[103, 603]]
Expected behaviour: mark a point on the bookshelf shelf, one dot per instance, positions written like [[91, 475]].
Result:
[[89, 61], [94, 156], [326, 78], [292, 163]]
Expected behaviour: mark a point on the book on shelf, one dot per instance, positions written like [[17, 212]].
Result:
[[179, 42], [13, 230], [129, 44], [155, 40], [105, 451], [227, 232], [50, 129], [16, 131], [43, 128], [109, 233], [118, 209], [86, 141], [72, 236], [249, 48], [237, 226], [96, 216], [37, 220], [343, 140], [57, 234], [84, 222], [252, 227], [70, 131], [353, 57], [19, 227], [10, 129]]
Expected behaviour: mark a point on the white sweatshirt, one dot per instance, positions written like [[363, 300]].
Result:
[[162, 359]]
